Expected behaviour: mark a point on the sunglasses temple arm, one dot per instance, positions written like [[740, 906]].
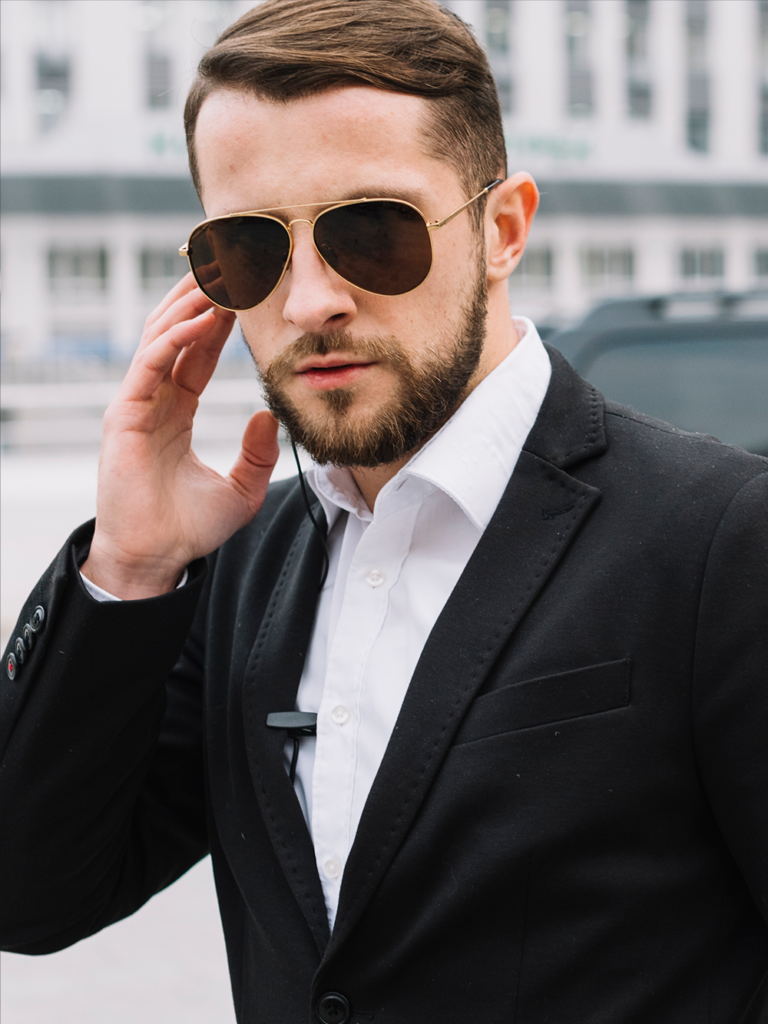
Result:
[[440, 223]]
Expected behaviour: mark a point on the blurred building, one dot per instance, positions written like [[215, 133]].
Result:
[[645, 123], [94, 186]]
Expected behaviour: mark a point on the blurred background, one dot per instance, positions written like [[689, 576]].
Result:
[[645, 123]]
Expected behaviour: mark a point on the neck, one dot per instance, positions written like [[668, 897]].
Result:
[[371, 480]]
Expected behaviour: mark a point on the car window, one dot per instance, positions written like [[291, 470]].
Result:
[[715, 386]]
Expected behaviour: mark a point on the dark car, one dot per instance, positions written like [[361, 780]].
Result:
[[699, 361]]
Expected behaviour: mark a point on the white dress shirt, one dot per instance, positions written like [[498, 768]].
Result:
[[390, 573]]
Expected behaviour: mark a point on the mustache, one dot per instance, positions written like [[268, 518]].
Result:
[[379, 349]]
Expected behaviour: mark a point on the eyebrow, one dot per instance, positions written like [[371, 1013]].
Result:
[[414, 196]]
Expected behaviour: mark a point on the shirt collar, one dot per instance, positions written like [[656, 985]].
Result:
[[472, 456]]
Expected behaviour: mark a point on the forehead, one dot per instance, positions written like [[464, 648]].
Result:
[[254, 153]]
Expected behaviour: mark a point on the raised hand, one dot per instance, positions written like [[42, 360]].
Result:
[[158, 507]]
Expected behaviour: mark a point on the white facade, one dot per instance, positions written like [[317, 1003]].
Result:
[[719, 47], [646, 96]]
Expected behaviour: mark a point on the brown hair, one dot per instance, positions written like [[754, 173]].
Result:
[[285, 49]]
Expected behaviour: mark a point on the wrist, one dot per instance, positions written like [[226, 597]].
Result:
[[130, 580]]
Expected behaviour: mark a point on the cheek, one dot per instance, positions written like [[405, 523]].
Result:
[[261, 334]]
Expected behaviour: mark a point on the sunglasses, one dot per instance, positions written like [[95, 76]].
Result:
[[383, 246]]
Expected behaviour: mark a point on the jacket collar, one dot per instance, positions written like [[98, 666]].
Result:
[[570, 426]]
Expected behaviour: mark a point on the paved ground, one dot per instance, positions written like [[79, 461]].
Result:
[[166, 964]]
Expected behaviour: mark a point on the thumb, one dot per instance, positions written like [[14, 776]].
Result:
[[258, 455]]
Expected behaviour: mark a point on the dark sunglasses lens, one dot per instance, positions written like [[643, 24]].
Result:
[[383, 246], [238, 261]]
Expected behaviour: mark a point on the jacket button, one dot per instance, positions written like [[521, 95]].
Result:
[[29, 636], [21, 650], [333, 1008], [10, 668], [37, 620]]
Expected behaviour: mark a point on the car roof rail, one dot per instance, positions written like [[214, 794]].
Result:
[[692, 305]]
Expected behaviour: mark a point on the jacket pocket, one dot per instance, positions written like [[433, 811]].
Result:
[[549, 699]]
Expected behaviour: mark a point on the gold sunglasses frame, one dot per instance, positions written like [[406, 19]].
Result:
[[267, 215]]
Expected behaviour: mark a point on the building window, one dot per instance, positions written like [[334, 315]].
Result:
[[78, 273], [639, 90], [701, 265], [154, 21], [698, 116], [52, 84], [535, 269], [577, 36], [497, 18], [53, 73], [607, 268], [761, 266], [161, 269], [158, 80], [498, 44], [763, 84]]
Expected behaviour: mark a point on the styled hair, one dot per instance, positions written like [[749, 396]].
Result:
[[283, 50]]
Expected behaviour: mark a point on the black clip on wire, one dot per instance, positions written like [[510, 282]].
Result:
[[296, 725], [300, 723], [315, 523]]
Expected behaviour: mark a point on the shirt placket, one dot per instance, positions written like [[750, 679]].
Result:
[[373, 571]]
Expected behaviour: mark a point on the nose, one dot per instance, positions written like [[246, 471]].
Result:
[[318, 299]]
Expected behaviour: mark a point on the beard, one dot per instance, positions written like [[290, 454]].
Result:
[[426, 394]]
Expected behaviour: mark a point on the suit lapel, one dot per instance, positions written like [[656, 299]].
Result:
[[271, 682], [537, 519]]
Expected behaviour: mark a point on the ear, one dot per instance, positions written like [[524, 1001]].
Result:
[[508, 216]]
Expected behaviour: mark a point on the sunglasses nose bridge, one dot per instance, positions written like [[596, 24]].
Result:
[[289, 226], [324, 256]]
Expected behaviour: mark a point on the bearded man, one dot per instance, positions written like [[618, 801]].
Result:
[[476, 734]]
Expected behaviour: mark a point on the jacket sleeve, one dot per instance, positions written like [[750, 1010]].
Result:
[[101, 770], [730, 706]]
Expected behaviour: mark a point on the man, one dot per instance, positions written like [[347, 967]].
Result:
[[534, 637]]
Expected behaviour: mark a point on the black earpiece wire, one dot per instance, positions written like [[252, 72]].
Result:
[[294, 758], [318, 529]]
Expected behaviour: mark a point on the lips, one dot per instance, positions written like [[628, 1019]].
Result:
[[327, 372]]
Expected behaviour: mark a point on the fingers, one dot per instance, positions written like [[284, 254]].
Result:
[[183, 302], [197, 361], [157, 360], [258, 455], [181, 288]]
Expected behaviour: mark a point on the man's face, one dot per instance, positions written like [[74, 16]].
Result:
[[358, 379]]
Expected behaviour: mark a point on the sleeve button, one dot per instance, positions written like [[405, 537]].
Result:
[[38, 618], [29, 636], [21, 650], [11, 666]]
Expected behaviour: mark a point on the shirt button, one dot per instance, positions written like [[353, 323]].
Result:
[[332, 868], [374, 577], [340, 714]]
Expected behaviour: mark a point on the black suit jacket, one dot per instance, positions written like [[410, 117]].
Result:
[[570, 823]]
